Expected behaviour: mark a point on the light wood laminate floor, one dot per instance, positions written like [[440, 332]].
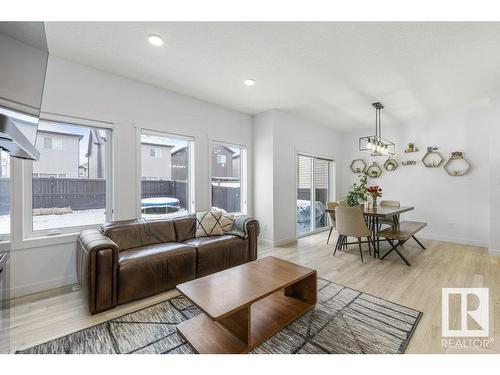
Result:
[[35, 320]]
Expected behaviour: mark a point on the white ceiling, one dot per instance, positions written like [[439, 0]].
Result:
[[326, 72]]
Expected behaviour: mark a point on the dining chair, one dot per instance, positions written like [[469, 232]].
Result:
[[390, 203], [331, 206], [343, 203], [351, 223], [389, 221]]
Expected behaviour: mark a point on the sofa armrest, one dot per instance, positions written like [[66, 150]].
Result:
[[97, 269], [248, 229]]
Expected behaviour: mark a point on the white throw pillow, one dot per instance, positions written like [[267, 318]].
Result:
[[226, 222], [208, 224]]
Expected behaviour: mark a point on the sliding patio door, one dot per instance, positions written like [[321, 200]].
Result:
[[314, 189]]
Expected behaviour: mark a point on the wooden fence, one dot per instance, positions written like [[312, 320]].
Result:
[[86, 194], [171, 189], [77, 193], [228, 198]]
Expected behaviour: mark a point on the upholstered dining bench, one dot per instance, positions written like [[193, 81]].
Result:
[[402, 232]]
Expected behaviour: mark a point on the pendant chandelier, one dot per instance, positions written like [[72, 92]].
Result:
[[375, 144]]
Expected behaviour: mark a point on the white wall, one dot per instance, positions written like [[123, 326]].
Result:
[[74, 90], [493, 117], [263, 139], [455, 208], [275, 161]]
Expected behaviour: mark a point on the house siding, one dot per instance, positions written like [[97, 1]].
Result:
[[62, 162], [222, 169], [180, 165], [156, 168], [96, 157]]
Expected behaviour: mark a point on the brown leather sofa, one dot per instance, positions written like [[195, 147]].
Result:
[[127, 260]]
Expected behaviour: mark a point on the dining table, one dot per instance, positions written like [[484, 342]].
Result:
[[373, 215]]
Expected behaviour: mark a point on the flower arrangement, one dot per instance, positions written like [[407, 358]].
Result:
[[357, 195], [375, 192]]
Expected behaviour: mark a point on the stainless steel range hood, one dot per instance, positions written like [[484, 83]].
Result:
[[14, 142], [23, 64]]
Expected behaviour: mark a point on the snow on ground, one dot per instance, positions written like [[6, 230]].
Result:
[[74, 219], [4, 224], [181, 212]]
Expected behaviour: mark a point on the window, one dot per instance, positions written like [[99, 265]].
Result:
[[228, 176], [52, 143], [62, 195], [166, 174], [155, 152], [27, 124], [47, 142], [221, 159], [4, 195], [314, 189]]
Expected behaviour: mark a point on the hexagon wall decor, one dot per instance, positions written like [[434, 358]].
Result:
[[457, 165], [358, 166], [409, 162], [374, 170], [433, 158], [391, 165]]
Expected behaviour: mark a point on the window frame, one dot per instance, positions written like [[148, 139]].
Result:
[[332, 179], [46, 143], [191, 139], [155, 153], [6, 237], [243, 173], [27, 176], [16, 231]]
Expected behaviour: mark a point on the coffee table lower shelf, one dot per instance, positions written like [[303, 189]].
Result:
[[266, 317]]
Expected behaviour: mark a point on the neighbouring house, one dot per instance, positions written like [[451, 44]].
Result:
[[82, 170], [223, 159], [59, 154], [156, 160], [96, 154], [237, 165], [5, 165], [180, 159]]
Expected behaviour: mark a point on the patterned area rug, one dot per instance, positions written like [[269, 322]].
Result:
[[344, 321]]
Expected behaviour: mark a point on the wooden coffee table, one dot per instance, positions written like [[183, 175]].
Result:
[[245, 305]]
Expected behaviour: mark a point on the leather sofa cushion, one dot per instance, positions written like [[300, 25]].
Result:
[[153, 269], [218, 253], [128, 234], [159, 230], [185, 227]]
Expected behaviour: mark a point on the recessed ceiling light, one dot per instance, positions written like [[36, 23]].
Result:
[[249, 82], [155, 40]]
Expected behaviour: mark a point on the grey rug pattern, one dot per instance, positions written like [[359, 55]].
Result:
[[343, 321]]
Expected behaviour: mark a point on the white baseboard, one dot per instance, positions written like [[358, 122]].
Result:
[[459, 240], [24, 290]]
